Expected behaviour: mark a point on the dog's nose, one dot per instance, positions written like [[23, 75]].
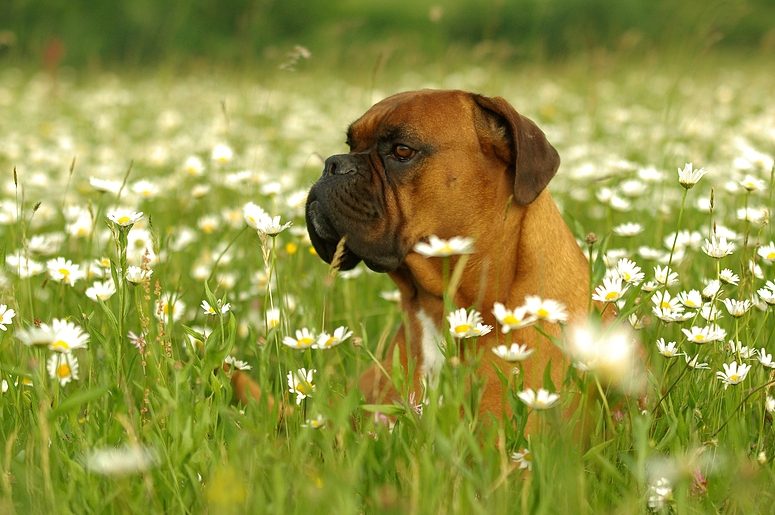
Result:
[[339, 165]]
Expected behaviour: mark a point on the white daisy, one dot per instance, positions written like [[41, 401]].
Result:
[[524, 459], [125, 217], [300, 383], [695, 363], [304, 339], [512, 319], [767, 252], [718, 248], [610, 291], [6, 316], [546, 309], [137, 275], [235, 363], [688, 176], [513, 353], [327, 341], [62, 367], [214, 310], [733, 373], [222, 153], [668, 350], [664, 276], [703, 335], [628, 229], [712, 290], [691, 299], [63, 270], [737, 308], [540, 401], [436, 247], [751, 183], [726, 276], [738, 349], [629, 271], [271, 226], [101, 290]]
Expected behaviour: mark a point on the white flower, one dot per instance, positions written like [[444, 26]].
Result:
[[755, 215], [738, 349], [668, 350], [300, 383], [63, 367], [628, 229], [767, 295], [752, 183], [125, 217], [540, 401], [524, 459], [766, 359], [137, 275], [695, 363], [391, 296], [718, 248], [660, 494], [6, 315], [436, 247], [769, 404], [101, 290], [728, 277], [145, 188], [610, 291], [737, 308], [688, 177], [733, 373], [105, 185], [663, 299], [703, 335], [512, 319], [304, 339], [214, 310], [327, 341], [635, 322], [546, 309], [63, 270], [315, 423], [691, 299], [710, 312], [629, 271], [272, 317], [235, 363], [253, 214], [271, 226], [121, 461], [514, 353], [713, 289], [767, 252], [60, 336], [664, 276], [194, 166], [222, 153]]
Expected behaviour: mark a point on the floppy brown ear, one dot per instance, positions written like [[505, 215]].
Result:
[[518, 141]]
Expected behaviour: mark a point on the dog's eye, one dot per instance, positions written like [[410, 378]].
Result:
[[403, 153]]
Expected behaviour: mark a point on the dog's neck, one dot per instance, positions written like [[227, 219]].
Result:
[[535, 254]]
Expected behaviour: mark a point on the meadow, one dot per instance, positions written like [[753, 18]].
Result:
[[129, 200]]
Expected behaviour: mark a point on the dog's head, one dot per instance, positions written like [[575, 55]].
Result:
[[422, 163]]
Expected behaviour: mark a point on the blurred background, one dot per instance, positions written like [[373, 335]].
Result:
[[102, 34]]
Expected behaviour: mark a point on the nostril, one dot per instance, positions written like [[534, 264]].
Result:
[[339, 165]]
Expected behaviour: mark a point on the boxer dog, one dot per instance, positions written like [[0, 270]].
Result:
[[450, 163]]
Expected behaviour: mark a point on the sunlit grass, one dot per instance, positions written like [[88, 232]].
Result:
[[142, 423]]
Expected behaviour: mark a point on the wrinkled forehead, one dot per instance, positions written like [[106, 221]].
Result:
[[411, 115]]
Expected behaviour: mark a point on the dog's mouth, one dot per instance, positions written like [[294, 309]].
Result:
[[325, 238]]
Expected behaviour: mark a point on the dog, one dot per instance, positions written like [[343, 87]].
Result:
[[451, 163]]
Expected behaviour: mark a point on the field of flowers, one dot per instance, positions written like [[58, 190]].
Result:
[[152, 228]]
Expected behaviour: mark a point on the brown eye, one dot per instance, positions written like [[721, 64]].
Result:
[[403, 153]]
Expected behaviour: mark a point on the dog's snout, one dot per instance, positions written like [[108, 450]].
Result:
[[340, 165]]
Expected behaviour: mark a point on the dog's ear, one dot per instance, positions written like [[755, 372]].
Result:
[[518, 141]]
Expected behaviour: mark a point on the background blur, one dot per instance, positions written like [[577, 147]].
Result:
[[136, 33]]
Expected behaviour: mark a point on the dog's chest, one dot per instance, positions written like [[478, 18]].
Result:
[[432, 343]]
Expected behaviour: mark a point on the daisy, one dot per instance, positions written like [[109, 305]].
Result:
[[540, 401], [64, 336], [252, 213], [125, 217], [436, 247], [300, 383], [235, 363], [635, 322], [737, 308], [524, 459], [767, 295], [137, 275], [718, 248], [214, 310], [701, 335], [664, 276], [514, 353], [36, 336], [512, 319], [691, 299], [194, 166], [145, 189], [767, 252], [101, 290], [208, 224], [546, 309], [726, 276], [222, 153], [304, 339], [755, 215], [668, 350], [462, 323], [738, 349], [688, 177], [272, 317], [660, 494], [663, 300], [6, 315], [169, 309], [712, 290], [610, 291], [695, 363], [327, 341], [63, 367], [628, 229], [391, 296], [755, 269], [629, 271], [271, 226], [751, 183], [733, 373], [121, 461], [315, 423], [710, 313], [769, 404], [64, 271], [105, 186]]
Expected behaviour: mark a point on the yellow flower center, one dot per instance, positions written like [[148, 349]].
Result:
[[462, 328], [63, 371], [330, 341], [511, 320], [304, 341], [771, 255], [273, 323], [446, 249], [64, 271], [60, 345], [542, 313], [664, 305], [304, 388], [699, 337], [734, 377], [124, 220], [626, 276], [612, 295]]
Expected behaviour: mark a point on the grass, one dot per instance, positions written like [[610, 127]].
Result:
[[152, 429]]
